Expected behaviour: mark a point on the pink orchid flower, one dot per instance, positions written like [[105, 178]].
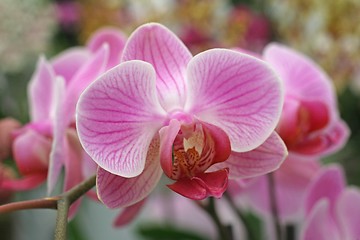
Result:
[[164, 111], [333, 209], [310, 127], [49, 141], [310, 122], [103, 51]]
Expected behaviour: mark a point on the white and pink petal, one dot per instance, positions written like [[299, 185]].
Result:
[[118, 116], [264, 159], [157, 45], [115, 191], [236, 92]]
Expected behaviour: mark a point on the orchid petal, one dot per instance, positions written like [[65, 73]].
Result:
[[236, 92], [128, 214], [222, 146], [69, 62], [114, 38], [167, 138], [27, 182], [40, 91], [203, 185], [326, 142], [31, 152], [328, 184], [336, 137], [118, 116], [289, 124], [303, 78], [84, 76], [115, 191], [89, 167], [348, 210], [157, 45], [58, 153], [320, 225], [290, 182], [264, 159]]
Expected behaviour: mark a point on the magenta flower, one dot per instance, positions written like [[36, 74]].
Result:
[[78, 67], [164, 111], [310, 122], [333, 211], [49, 140], [310, 127]]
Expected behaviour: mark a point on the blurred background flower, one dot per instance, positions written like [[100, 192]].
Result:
[[325, 30]]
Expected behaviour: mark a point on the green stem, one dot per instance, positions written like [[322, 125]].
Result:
[[61, 202], [62, 219], [44, 203], [224, 232], [64, 203], [274, 206], [249, 233]]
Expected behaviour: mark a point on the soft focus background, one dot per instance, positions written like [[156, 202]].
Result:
[[327, 31]]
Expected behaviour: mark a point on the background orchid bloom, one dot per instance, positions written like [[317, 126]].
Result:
[[310, 127], [310, 122], [333, 209], [179, 115], [53, 92], [292, 180]]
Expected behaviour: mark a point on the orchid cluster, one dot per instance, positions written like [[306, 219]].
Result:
[[142, 113]]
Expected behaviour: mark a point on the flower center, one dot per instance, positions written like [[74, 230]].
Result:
[[193, 151]]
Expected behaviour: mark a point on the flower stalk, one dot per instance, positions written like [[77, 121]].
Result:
[[225, 232], [61, 203], [274, 207]]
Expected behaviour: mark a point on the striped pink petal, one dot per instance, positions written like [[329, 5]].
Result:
[[157, 45], [115, 191], [118, 116], [263, 159], [236, 92], [89, 71]]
